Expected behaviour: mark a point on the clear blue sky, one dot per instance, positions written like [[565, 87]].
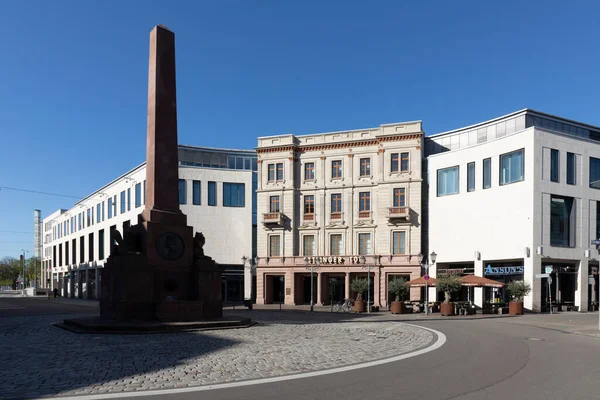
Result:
[[73, 92]]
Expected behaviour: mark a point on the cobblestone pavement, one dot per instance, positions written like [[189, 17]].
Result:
[[41, 360]]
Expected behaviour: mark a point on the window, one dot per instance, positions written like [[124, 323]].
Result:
[[89, 217], [102, 211], [470, 177], [399, 243], [594, 173], [447, 181], [67, 253], [91, 247], [335, 245], [404, 162], [74, 250], [212, 193], [279, 171], [336, 169], [597, 220], [196, 193], [487, 173], [395, 164], [562, 221], [308, 245], [101, 244], [98, 213], [400, 197], [274, 245], [364, 243], [110, 202], [336, 203], [512, 167], [234, 194], [271, 177], [554, 162], [144, 193], [570, 169], [138, 195], [128, 199], [274, 204], [60, 253], [115, 205], [309, 171], [123, 204], [81, 249], [364, 201], [182, 192], [365, 167], [309, 204]]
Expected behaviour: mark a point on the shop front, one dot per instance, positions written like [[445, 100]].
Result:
[[560, 289], [593, 287], [466, 293], [503, 272]]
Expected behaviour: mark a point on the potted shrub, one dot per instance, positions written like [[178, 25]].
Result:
[[398, 287], [359, 286], [448, 283], [517, 290]]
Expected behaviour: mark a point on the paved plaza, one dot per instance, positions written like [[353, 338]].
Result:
[[48, 361]]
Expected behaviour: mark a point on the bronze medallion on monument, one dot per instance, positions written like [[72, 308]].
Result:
[[170, 246]]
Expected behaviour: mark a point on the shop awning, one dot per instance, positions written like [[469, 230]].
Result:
[[420, 282], [478, 281]]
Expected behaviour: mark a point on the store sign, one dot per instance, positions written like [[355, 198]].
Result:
[[489, 270], [330, 260]]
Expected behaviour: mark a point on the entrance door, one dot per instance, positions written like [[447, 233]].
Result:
[[306, 290], [336, 288], [278, 285]]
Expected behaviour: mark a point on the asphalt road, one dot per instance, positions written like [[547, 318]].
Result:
[[482, 359]]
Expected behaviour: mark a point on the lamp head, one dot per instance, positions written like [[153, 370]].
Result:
[[432, 257]]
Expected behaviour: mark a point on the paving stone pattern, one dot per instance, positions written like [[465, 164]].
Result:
[[40, 360]]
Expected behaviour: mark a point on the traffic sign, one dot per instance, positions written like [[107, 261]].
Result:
[[426, 277], [596, 242], [542, 275], [549, 269]]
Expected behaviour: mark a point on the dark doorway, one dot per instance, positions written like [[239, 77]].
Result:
[[306, 290], [278, 285], [336, 288]]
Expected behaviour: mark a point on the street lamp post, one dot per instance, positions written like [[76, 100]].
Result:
[[363, 260], [312, 269], [426, 266]]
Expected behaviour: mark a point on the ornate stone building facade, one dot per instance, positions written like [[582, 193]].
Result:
[[325, 200]]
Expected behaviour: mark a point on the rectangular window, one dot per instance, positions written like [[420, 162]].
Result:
[[279, 171], [234, 194], [308, 245], [274, 204], [102, 211], [562, 221], [364, 201], [364, 243], [447, 181], [182, 192], [400, 197], [212, 193], [144, 193], [487, 173], [512, 167], [101, 244], [60, 255], [138, 195], [336, 203], [271, 176], [336, 169], [309, 204], [74, 250], [365, 167], [89, 217], [91, 247], [81, 249], [571, 169], [404, 162], [597, 221], [115, 205], [594, 173], [98, 213], [470, 177], [554, 163], [128, 199], [274, 246], [399, 243], [66, 253], [123, 203], [395, 162], [110, 208], [196, 191], [309, 171], [335, 245]]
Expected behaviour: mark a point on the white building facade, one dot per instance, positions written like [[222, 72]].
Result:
[[216, 192], [328, 199], [513, 198]]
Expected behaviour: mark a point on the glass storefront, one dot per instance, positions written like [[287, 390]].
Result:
[[560, 290], [503, 272], [466, 293]]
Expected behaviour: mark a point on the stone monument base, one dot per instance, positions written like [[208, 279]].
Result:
[[190, 310]]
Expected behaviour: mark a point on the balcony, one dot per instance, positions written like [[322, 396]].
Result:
[[398, 213], [273, 218]]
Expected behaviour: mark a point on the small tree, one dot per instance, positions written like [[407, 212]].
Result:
[[518, 289], [398, 287], [359, 285], [448, 283]]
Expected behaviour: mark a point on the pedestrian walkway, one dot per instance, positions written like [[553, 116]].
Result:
[[69, 301]]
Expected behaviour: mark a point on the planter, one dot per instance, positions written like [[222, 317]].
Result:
[[398, 307], [360, 306], [447, 309], [515, 308]]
